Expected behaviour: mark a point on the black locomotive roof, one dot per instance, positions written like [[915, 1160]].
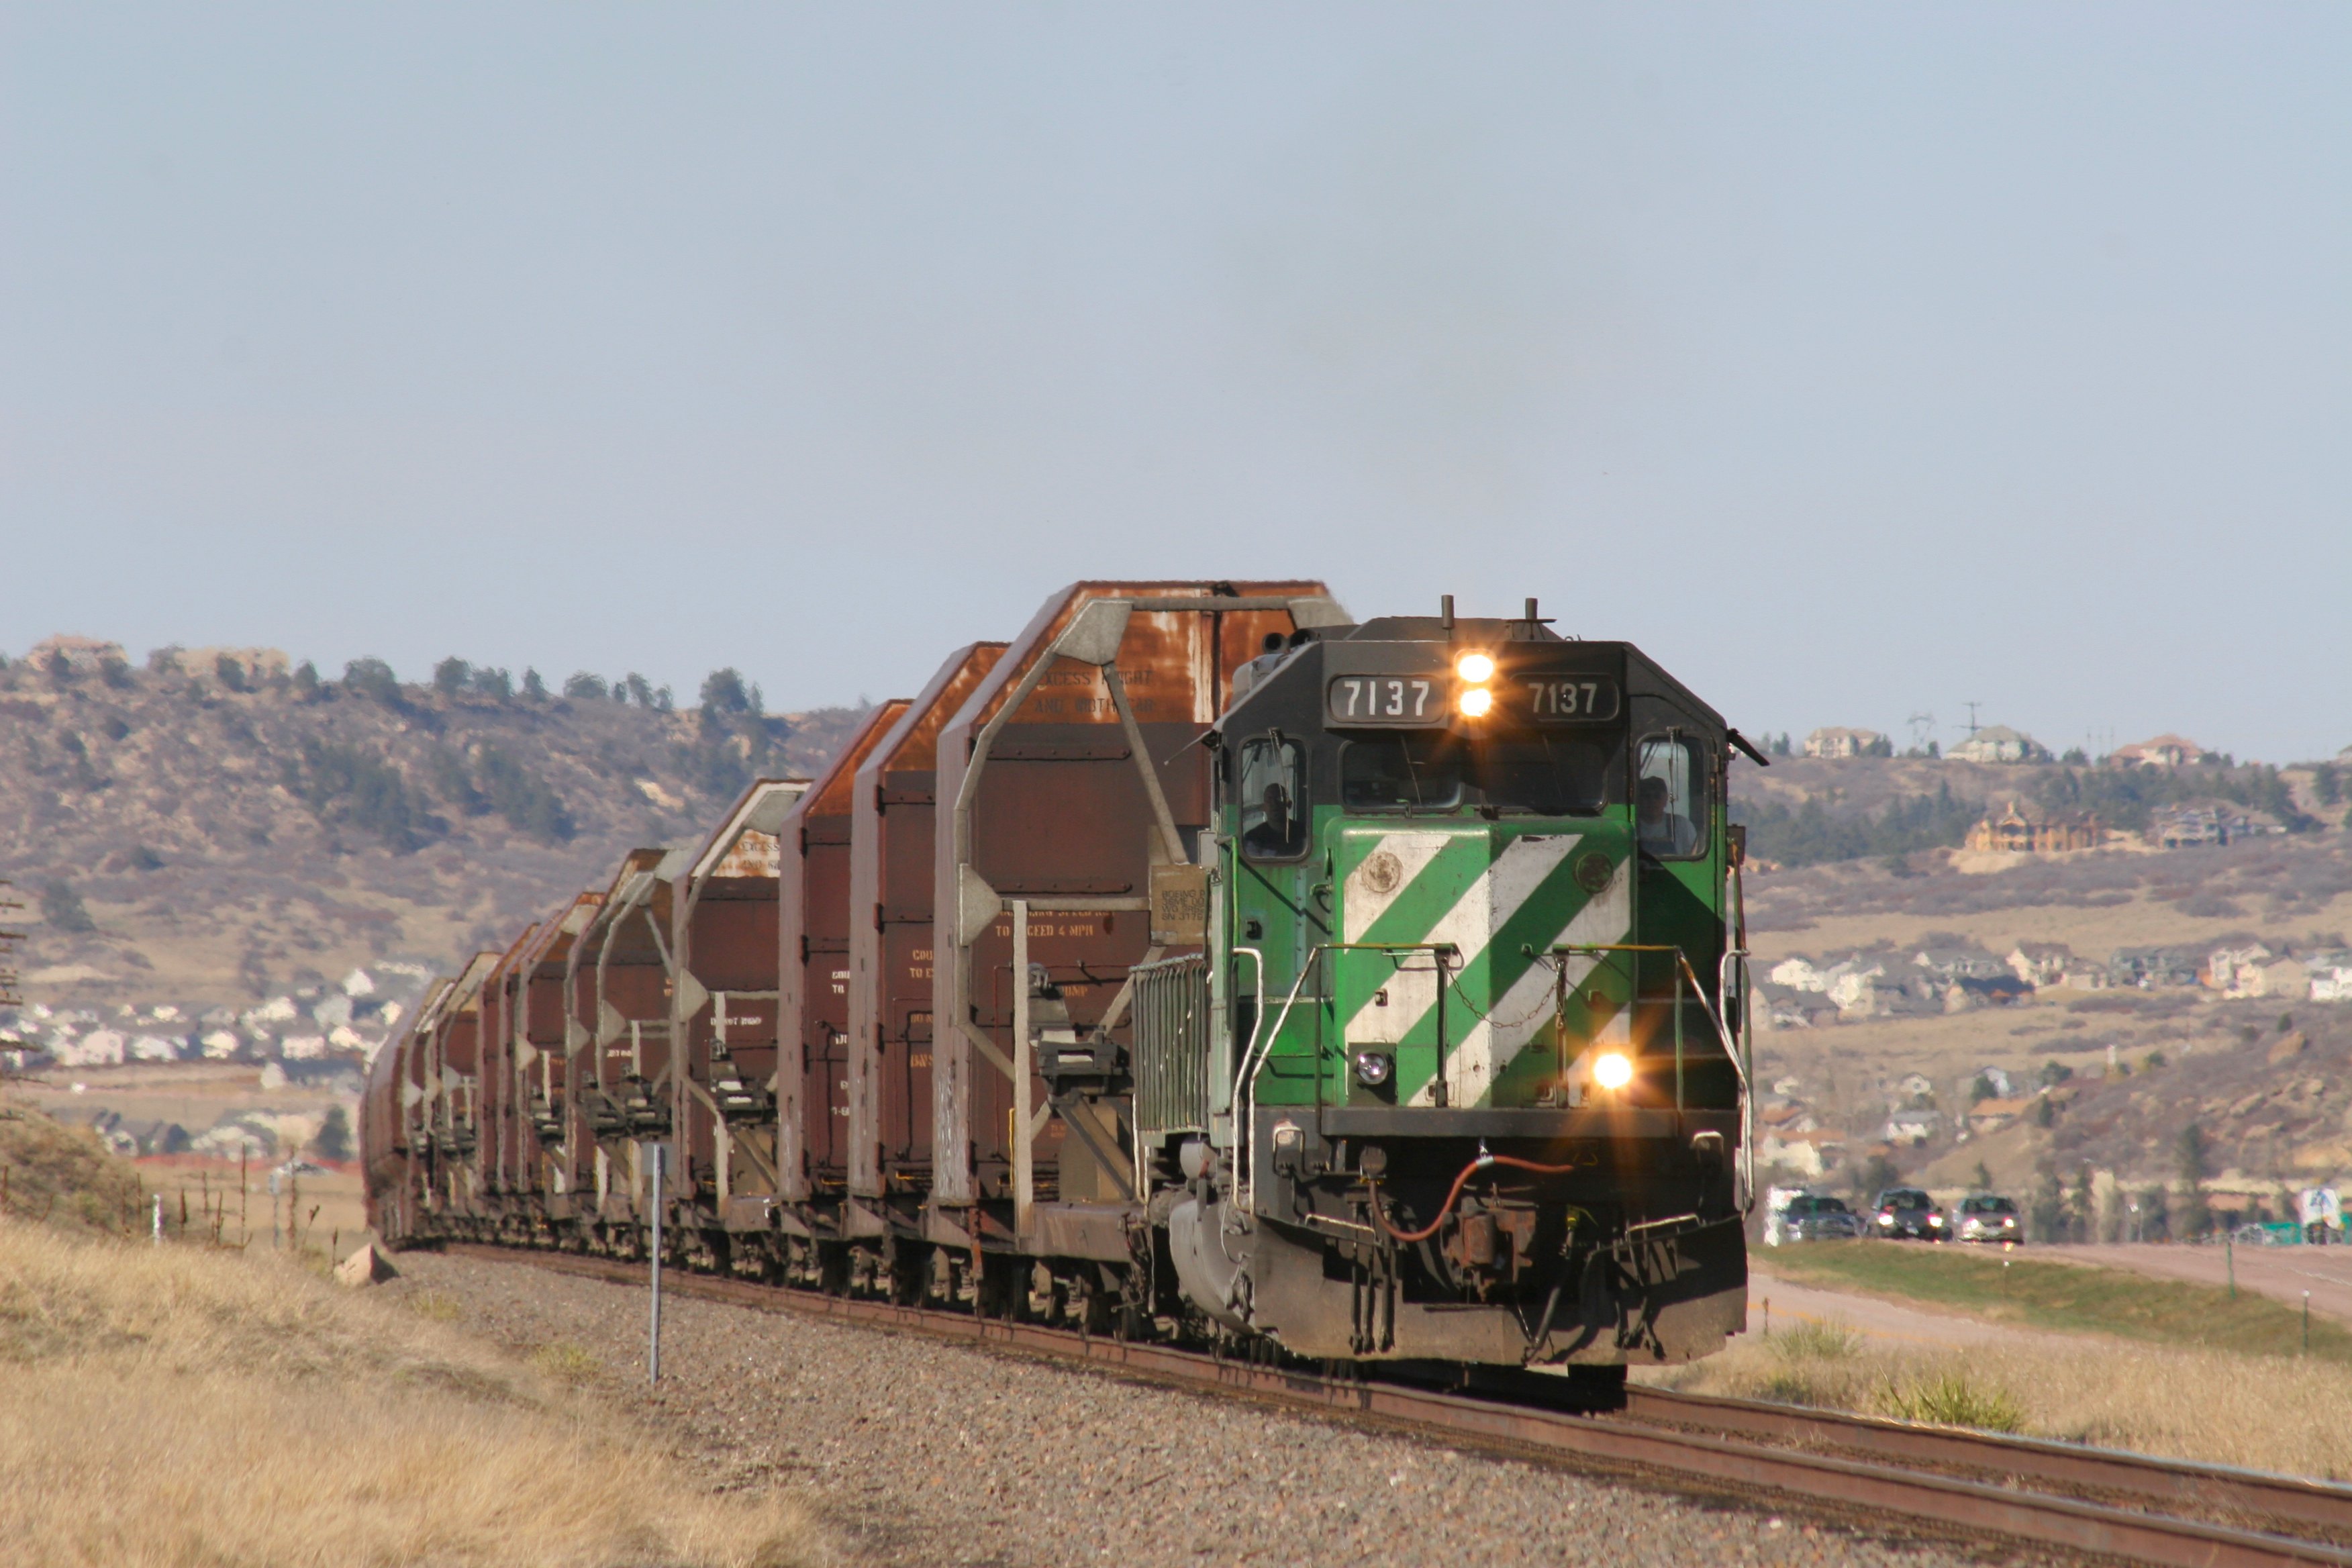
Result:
[[1644, 676]]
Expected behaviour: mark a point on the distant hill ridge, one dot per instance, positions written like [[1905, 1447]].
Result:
[[213, 830]]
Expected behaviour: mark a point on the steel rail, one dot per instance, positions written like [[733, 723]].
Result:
[[1651, 1441], [2255, 1494]]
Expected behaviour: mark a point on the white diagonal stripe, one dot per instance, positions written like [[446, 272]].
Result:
[[1498, 1039], [1490, 900]]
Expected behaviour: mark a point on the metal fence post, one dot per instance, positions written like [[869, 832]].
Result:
[[653, 1353]]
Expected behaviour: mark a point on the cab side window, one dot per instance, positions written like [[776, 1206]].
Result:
[[1671, 797], [1272, 798]]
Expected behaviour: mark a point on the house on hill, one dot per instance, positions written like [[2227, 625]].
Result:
[[2163, 751], [2041, 963], [2029, 830], [82, 655], [2189, 827], [1999, 744], [1992, 1115], [2148, 968], [1835, 742]]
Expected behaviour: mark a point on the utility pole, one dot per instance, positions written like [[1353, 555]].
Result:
[[1972, 705], [653, 1352]]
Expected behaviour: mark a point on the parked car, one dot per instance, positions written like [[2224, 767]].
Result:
[[1812, 1218], [1987, 1216], [1908, 1212]]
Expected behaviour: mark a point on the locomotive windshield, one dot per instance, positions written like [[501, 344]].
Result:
[[1545, 775]]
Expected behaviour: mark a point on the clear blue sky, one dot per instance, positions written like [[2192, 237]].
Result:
[[1855, 360]]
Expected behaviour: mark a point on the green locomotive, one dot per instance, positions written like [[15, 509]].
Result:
[[1460, 1074]]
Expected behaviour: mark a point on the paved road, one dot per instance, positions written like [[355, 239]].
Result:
[[2285, 1272], [1784, 1300]]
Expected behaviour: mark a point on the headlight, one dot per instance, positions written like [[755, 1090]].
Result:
[[1476, 669], [2009, 1223], [1936, 1220], [1613, 1071], [1374, 1068], [1887, 1219], [1475, 702]]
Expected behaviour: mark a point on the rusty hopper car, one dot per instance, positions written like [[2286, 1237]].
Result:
[[722, 992], [1202, 963], [621, 1091], [813, 1010], [890, 852], [533, 1128]]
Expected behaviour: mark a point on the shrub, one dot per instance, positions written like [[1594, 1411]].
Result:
[[342, 784], [583, 685], [230, 673], [1828, 1338], [522, 797], [334, 1139], [1951, 1400], [373, 678]]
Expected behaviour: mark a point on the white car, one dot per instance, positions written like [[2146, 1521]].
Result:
[[1987, 1216]]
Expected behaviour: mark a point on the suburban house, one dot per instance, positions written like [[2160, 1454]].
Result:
[[1999, 744], [2029, 830], [2164, 752], [1992, 1115], [1836, 742], [2187, 827], [1807, 1154], [2041, 963], [83, 656], [2148, 968], [2256, 971], [2331, 976], [1914, 1127]]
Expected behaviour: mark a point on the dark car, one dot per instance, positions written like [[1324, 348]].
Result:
[[1902, 1212], [1812, 1218], [1987, 1216]]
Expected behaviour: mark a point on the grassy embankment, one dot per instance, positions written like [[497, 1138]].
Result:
[[186, 1404], [2069, 1297], [2162, 1367]]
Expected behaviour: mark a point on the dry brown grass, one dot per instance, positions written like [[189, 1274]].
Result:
[[2263, 1412], [63, 1176], [175, 1406]]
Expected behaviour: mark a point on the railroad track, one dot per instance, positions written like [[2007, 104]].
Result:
[[2099, 1503]]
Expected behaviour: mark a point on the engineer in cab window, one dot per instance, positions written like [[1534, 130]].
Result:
[[1662, 829]]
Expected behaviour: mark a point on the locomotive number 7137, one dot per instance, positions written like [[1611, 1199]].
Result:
[[1368, 698], [1553, 701]]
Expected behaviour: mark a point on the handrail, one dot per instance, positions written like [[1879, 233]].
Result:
[[1246, 1077], [1722, 1031]]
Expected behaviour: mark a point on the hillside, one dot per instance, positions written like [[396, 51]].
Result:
[[212, 837]]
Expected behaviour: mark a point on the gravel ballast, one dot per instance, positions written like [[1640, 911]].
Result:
[[914, 1452]]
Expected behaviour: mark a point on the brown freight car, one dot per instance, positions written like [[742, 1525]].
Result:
[[391, 1138], [1071, 787], [723, 995], [452, 1103], [889, 1027], [533, 1127], [813, 1004], [621, 1095]]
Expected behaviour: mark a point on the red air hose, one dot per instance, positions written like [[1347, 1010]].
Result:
[[1445, 1209]]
